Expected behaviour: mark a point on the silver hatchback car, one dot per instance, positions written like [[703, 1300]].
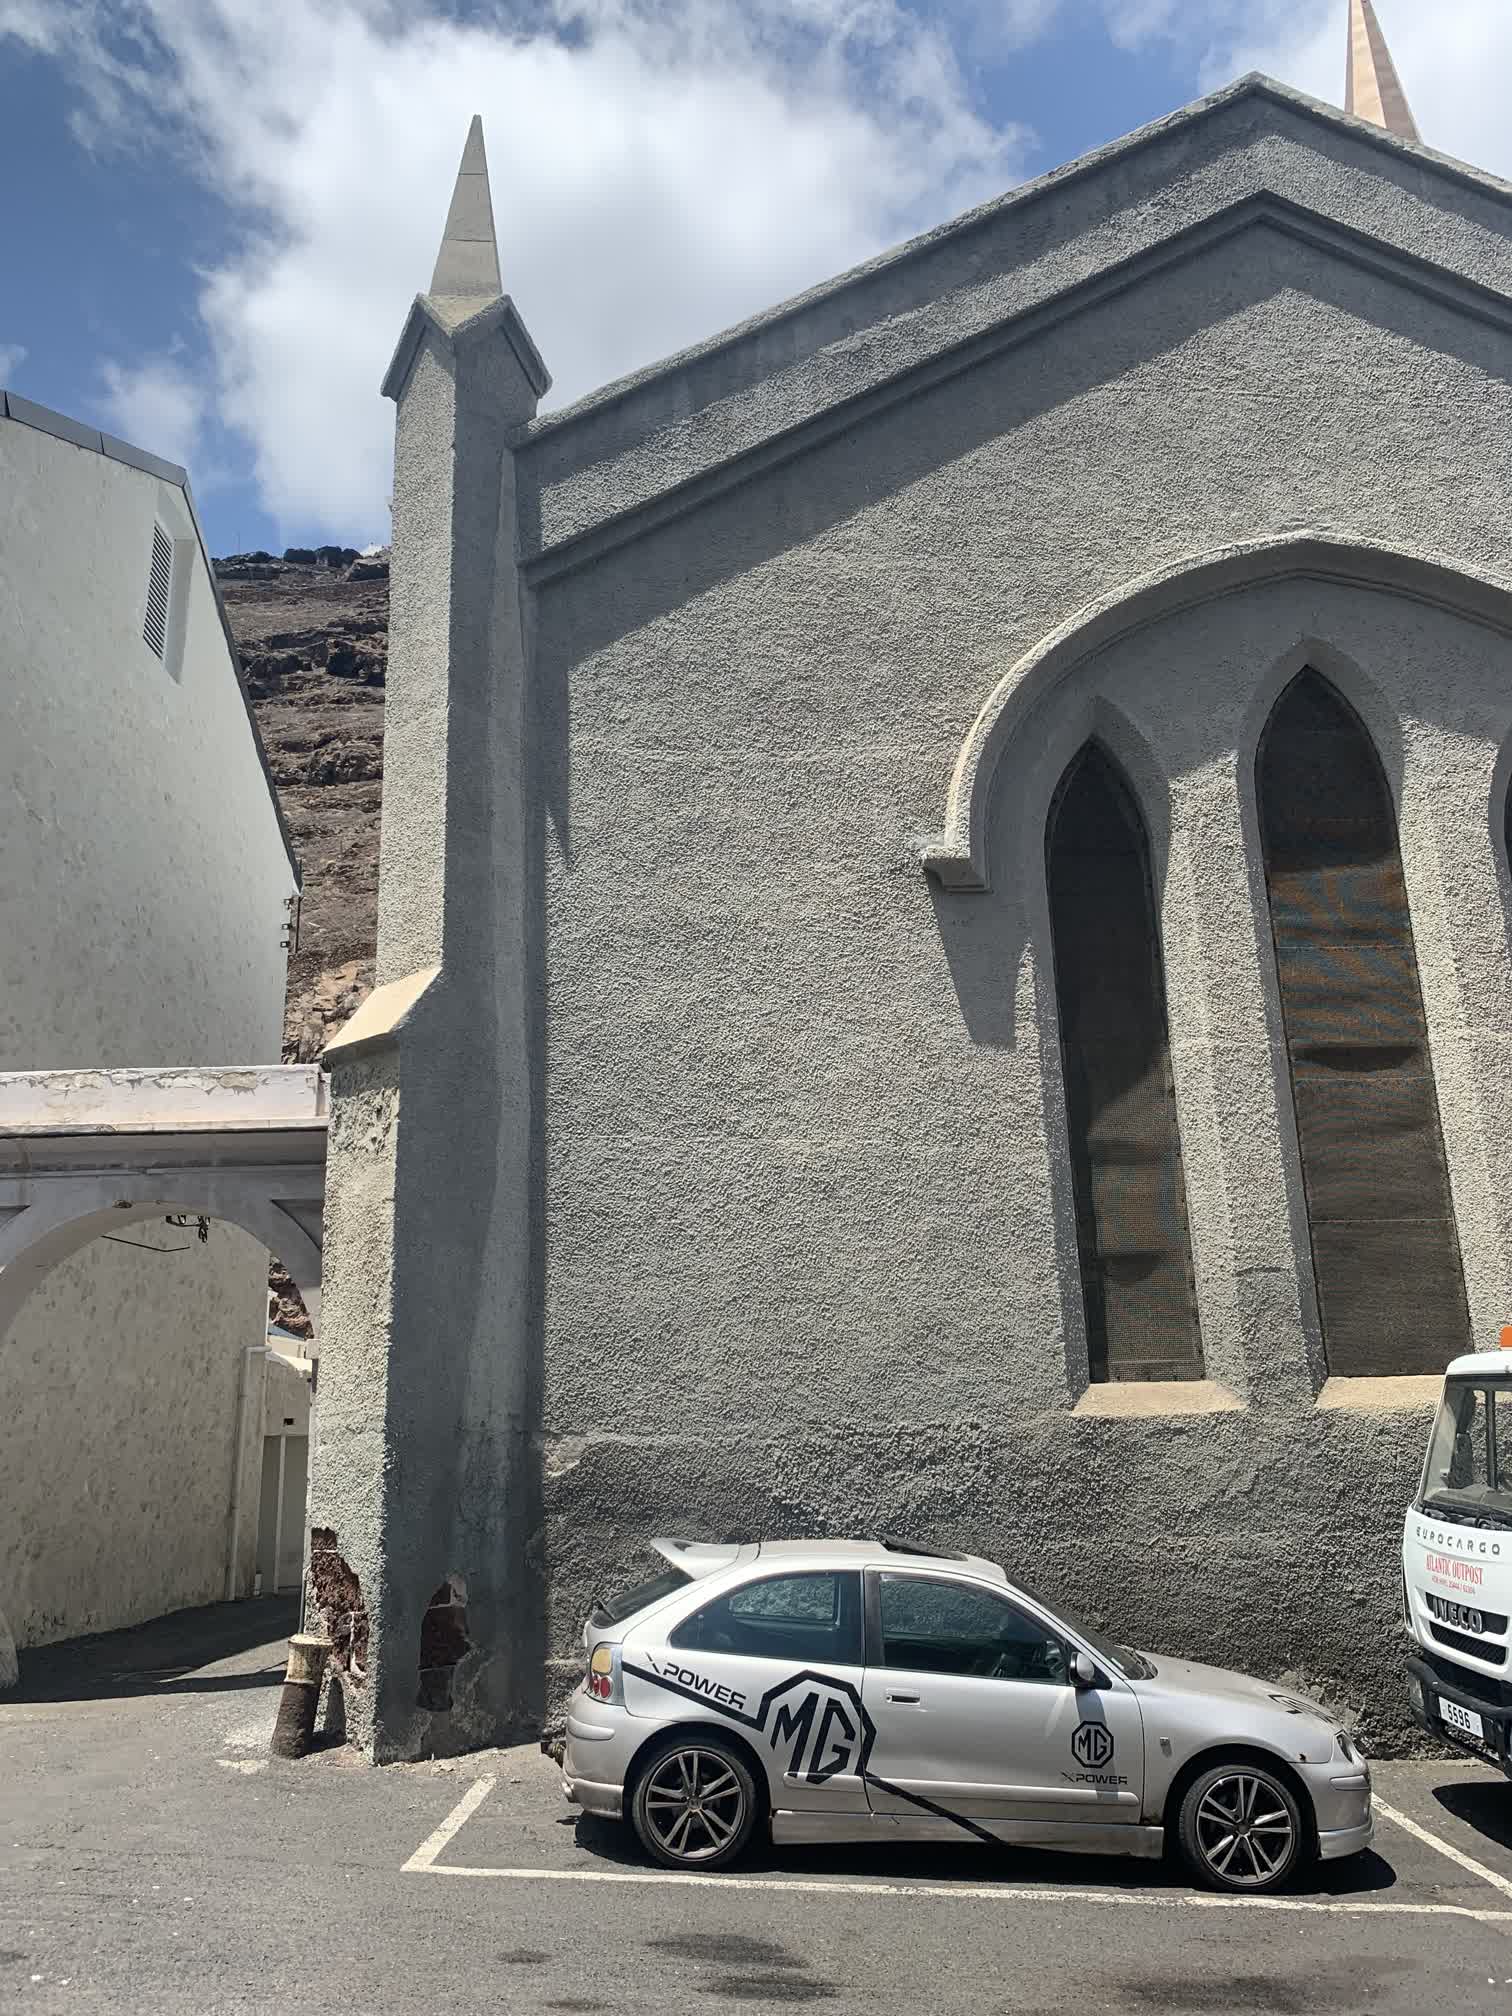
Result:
[[873, 1690]]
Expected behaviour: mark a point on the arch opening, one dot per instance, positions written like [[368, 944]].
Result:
[[1385, 1249], [38, 1238], [1133, 1243]]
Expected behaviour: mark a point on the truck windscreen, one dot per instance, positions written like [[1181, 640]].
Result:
[[1469, 1468]]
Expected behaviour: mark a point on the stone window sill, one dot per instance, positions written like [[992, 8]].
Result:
[[1150, 1399], [1402, 1394]]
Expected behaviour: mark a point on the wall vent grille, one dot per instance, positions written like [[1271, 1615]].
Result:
[[159, 587]]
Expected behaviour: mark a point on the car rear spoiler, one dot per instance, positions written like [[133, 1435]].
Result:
[[697, 1558]]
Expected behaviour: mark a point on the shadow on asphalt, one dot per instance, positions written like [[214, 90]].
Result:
[[1360, 1875], [1484, 1804], [164, 1657]]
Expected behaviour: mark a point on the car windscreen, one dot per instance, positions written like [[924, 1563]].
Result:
[[1122, 1658], [1469, 1467], [615, 1609]]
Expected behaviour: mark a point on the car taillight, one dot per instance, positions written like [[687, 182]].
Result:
[[604, 1683]]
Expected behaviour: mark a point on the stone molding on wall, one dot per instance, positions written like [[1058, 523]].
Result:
[[801, 328], [957, 856], [625, 508]]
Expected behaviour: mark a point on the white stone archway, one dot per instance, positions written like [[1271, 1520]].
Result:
[[84, 1153]]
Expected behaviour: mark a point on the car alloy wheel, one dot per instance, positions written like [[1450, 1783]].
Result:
[[695, 1805], [1240, 1829]]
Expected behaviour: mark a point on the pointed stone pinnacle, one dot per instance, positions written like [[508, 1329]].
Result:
[[467, 266], [1372, 87]]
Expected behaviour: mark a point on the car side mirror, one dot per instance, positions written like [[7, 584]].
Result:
[[1083, 1672]]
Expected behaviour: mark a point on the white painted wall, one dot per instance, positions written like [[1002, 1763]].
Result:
[[141, 911], [119, 1438], [285, 1473], [142, 901]]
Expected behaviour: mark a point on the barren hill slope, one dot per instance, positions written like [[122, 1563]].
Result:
[[314, 645]]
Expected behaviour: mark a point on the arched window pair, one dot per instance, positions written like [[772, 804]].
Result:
[[1391, 1295]]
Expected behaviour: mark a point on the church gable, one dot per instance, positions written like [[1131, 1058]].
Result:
[[1256, 156]]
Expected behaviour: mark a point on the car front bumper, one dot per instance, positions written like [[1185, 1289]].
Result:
[[1338, 1842], [1426, 1688]]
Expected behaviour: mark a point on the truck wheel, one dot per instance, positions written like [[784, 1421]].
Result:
[[1241, 1828], [695, 1803]]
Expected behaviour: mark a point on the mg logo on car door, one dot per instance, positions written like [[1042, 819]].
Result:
[[817, 1728], [1092, 1745]]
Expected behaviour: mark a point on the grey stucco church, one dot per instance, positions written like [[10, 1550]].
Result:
[[944, 936]]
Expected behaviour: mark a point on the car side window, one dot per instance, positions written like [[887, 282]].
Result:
[[943, 1627], [803, 1620]]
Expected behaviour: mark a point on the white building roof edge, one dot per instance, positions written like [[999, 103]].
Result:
[[27, 413]]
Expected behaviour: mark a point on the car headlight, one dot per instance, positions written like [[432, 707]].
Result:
[[1346, 1748]]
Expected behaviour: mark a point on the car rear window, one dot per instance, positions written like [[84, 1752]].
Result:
[[797, 1618], [640, 1597]]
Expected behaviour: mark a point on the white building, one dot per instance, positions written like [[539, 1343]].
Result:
[[144, 906]]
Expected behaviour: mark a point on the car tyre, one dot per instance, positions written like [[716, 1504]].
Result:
[[695, 1804], [1241, 1828]]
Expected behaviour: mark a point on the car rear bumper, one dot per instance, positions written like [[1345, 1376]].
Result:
[[596, 1758], [605, 1802]]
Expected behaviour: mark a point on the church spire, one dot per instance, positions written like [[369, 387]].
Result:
[[1372, 88], [467, 266]]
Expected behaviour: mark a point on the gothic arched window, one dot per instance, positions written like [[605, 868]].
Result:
[[1131, 1224], [1391, 1291]]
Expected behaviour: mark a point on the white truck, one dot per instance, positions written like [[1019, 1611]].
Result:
[[1457, 1563]]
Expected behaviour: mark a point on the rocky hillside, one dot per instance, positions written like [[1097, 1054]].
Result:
[[312, 629], [313, 633]]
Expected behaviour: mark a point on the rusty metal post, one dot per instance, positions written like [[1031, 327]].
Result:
[[308, 1653]]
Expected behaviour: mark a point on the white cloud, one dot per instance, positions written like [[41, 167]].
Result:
[[660, 169], [12, 357], [158, 404], [1454, 56]]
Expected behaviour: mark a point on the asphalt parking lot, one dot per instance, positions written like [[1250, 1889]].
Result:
[[153, 1859]]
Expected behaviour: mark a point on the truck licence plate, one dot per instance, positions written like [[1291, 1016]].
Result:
[[1463, 1720]]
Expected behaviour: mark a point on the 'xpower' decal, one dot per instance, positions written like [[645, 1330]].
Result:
[[817, 1728]]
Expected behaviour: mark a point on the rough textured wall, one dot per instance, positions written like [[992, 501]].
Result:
[[121, 1380], [810, 1245], [419, 1490]]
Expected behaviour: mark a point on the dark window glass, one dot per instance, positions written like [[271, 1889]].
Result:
[[1131, 1222], [641, 1597], [1391, 1291], [804, 1620], [1469, 1465], [939, 1627]]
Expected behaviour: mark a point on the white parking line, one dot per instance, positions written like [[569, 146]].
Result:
[[1502, 1883], [424, 1863], [424, 1857]]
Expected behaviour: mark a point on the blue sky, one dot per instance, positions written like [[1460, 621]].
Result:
[[230, 202]]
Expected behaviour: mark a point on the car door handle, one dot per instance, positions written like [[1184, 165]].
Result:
[[911, 1699]]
